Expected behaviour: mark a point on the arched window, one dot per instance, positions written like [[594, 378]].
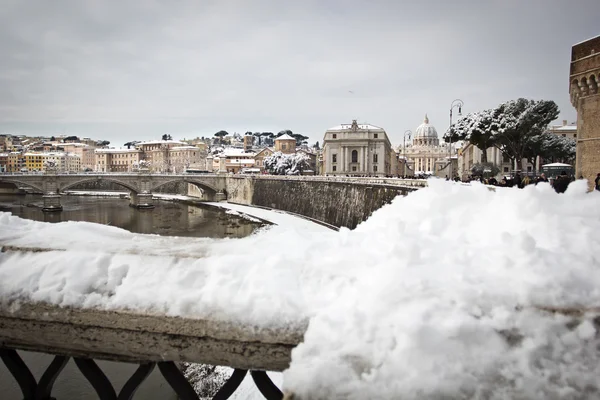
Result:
[[354, 156]]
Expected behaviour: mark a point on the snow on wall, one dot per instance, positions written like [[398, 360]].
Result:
[[437, 295]]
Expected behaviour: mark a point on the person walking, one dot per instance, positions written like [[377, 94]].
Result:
[[597, 182], [561, 182]]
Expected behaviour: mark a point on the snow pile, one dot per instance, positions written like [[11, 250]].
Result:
[[445, 293], [242, 215]]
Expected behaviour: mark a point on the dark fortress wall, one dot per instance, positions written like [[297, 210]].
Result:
[[336, 203]]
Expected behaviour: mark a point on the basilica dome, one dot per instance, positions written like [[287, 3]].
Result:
[[426, 135]]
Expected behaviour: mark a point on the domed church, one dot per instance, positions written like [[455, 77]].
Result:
[[425, 155]]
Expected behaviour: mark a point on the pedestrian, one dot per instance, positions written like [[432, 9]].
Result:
[[597, 181], [518, 181], [541, 178], [561, 182]]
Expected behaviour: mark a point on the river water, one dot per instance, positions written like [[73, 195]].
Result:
[[167, 218]]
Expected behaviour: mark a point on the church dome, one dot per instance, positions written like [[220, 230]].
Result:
[[426, 135], [426, 131]]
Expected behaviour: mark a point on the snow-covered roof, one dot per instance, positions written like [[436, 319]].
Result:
[[285, 137], [185, 148], [565, 128], [74, 144], [232, 151], [160, 142], [241, 161], [344, 127], [272, 150], [557, 164], [117, 151]]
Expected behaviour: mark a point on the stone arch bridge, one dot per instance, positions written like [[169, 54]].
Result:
[[140, 186]]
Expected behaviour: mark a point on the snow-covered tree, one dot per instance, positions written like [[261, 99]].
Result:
[[514, 126], [287, 164], [554, 147], [477, 128], [484, 169]]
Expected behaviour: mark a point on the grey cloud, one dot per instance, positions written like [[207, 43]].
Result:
[[135, 69]]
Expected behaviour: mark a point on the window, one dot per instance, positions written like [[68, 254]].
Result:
[[505, 169], [575, 136], [334, 168], [374, 157], [334, 136], [354, 156], [374, 168], [375, 136], [528, 168], [334, 158], [283, 146], [353, 169], [564, 135]]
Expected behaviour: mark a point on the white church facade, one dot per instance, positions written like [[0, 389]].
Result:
[[357, 149], [426, 155]]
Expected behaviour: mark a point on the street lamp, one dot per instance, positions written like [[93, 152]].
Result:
[[406, 133], [458, 103]]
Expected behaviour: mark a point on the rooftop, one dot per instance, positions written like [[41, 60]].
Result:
[[117, 151], [344, 127], [285, 137]]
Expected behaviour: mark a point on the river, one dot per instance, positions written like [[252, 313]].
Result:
[[167, 218]]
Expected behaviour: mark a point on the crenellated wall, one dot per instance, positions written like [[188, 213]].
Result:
[[336, 202]]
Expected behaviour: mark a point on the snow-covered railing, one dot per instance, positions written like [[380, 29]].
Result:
[[340, 179], [148, 340]]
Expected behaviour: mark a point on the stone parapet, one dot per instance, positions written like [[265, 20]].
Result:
[[134, 337]]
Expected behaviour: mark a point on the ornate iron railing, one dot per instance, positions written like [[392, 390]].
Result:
[[42, 389]]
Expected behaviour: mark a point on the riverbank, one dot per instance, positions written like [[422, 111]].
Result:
[[255, 214]]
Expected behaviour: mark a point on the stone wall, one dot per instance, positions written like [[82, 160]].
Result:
[[585, 97], [588, 144], [342, 204]]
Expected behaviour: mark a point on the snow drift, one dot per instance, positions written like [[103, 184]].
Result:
[[451, 292]]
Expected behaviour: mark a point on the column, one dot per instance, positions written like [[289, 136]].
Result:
[[341, 160], [346, 159], [362, 159]]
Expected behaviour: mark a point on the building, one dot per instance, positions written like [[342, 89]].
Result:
[[16, 162], [470, 155], [353, 149], [285, 144], [585, 97], [117, 160], [564, 130], [425, 155], [312, 161], [259, 158], [34, 161], [236, 160], [84, 151], [183, 157]]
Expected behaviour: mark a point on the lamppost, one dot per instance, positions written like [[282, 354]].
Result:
[[458, 103], [406, 133]]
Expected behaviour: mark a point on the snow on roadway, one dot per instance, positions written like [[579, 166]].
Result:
[[449, 292]]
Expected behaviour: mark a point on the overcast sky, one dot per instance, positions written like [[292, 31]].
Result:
[[133, 70]]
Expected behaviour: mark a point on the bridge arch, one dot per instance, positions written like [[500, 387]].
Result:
[[198, 182], [24, 183], [95, 179]]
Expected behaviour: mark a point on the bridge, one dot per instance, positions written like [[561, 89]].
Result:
[[140, 185], [155, 341], [338, 201]]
